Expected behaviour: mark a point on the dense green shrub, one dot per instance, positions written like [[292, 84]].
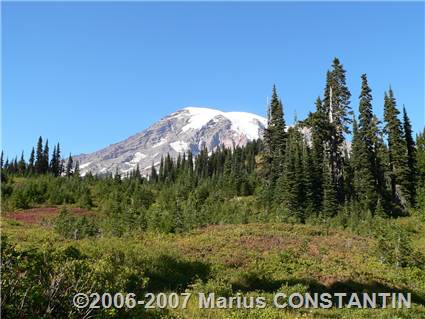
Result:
[[74, 227], [395, 246]]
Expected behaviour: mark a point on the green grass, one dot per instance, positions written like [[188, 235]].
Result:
[[254, 259]]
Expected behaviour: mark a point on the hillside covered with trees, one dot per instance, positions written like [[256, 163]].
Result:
[[308, 171]]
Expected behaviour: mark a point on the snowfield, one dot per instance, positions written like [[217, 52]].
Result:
[[242, 122]]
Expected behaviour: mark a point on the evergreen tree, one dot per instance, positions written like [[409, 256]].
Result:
[[364, 151], [77, 169], [178, 163], [136, 174], [420, 158], [55, 163], [289, 192], [15, 166], [330, 201], [45, 161], [117, 176], [309, 174], [69, 166], [190, 162], [363, 183], [201, 164], [411, 156], [336, 105], [1, 160], [22, 166], [161, 170], [319, 124], [39, 160], [397, 152], [348, 171], [153, 176], [59, 160], [274, 145], [420, 167], [169, 174], [31, 162], [276, 126]]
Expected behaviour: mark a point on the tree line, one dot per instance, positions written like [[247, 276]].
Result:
[[307, 172], [40, 162], [319, 172]]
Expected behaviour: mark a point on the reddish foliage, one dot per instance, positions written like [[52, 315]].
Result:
[[35, 215]]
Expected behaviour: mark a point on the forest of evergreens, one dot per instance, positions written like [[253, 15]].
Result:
[[305, 172]]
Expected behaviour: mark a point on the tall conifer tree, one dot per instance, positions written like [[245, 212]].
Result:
[[330, 201], [365, 151], [39, 156], [31, 162], [420, 158], [411, 156], [336, 104], [45, 161], [69, 166], [397, 152], [22, 166], [274, 142]]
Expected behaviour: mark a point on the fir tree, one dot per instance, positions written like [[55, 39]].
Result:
[[15, 165], [318, 121], [290, 185], [59, 160], [69, 166], [336, 105], [117, 176], [178, 163], [55, 163], [31, 162], [363, 183], [309, 174], [161, 170], [364, 151], [276, 126], [169, 174], [45, 161], [420, 158], [39, 157], [397, 152], [22, 166], [153, 176], [348, 172], [330, 201], [411, 156], [190, 162], [136, 174], [77, 169], [274, 144]]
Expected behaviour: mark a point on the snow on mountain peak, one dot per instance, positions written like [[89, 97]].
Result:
[[242, 122]]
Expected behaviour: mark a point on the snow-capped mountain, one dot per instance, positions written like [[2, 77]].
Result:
[[191, 128]]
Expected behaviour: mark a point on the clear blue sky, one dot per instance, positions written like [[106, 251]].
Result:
[[91, 74]]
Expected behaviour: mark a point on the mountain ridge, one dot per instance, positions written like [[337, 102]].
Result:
[[190, 128]]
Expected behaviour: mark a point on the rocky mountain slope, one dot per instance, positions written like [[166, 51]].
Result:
[[191, 128]]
